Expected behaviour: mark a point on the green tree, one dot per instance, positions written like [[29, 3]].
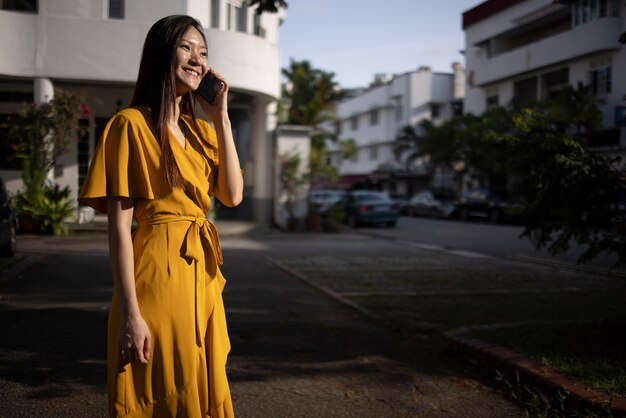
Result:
[[570, 194], [267, 6], [308, 97], [40, 134]]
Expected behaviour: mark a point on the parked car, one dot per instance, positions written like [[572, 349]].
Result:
[[323, 200], [401, 200], [436, 204], [483, 203], [8, 225], [368, 207]]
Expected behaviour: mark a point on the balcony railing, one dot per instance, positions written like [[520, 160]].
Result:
[[594, 37]]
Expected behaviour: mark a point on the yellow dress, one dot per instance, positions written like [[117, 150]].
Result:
[[177, 276]]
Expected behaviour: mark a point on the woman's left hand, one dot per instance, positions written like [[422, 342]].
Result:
[[219, 108]]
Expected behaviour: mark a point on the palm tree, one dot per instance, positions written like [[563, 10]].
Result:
[[308, 98], [406, 147], [267, 6]]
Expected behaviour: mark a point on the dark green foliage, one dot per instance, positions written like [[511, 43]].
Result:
[[308, 99], [569, 194], [40, 134], [267, 6]]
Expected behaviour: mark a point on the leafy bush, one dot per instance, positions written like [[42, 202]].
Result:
[[47, 208]]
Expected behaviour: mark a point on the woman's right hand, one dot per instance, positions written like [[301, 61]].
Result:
[[134, 340]]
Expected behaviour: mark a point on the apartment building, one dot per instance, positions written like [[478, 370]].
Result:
[[527, 50], [93, 48], [375, 117]]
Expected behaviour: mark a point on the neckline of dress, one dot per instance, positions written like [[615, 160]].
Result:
[[183, 128], [184, 125]]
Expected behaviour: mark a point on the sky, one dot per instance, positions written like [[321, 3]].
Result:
[[356, 39]]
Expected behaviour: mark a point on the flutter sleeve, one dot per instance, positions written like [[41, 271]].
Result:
[[119, 166]]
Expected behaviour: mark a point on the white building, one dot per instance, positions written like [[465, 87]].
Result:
[[93, 48], [374, 118], [529, 49]]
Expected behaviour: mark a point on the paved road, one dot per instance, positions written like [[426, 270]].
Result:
[[498, 240], [296, 352]]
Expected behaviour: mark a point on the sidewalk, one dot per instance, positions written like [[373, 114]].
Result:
[[295, 352]]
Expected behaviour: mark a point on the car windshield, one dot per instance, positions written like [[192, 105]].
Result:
[[372, 197]]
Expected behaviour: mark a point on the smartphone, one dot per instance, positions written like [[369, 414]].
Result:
[[209, 87]]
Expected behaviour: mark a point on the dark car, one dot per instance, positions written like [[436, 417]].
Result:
[[483, 203], [8, 225], [323, 200], [368, 207], [433, 203], [401, 200]]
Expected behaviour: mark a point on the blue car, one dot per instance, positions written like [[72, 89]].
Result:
[[368, 207]]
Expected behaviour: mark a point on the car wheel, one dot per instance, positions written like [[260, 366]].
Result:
[[391, 224], [8, 250], [463, 214], [494, 216]]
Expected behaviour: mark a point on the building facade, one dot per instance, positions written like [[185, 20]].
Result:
[[527, 50], [374, 118], [93, 47]]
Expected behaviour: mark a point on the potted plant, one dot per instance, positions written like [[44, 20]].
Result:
[[40, 133]]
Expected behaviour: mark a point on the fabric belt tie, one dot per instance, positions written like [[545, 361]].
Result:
[[201, 244]]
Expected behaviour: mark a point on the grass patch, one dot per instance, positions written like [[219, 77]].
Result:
[[448, 311], [593, 352]]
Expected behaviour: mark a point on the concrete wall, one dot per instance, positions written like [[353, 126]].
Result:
[[290, 140]]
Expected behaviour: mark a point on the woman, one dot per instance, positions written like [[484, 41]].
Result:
[[167, 337]]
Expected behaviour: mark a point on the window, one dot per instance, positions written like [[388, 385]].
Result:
[[373, 152], [9, 96], [242, 18], [19, 5], [354, 122], [585, 11], [615, 8], [8, 157], [600, 81], [229, 16], [435, 110], [355, 155], [602, 11], [525, 91], [236, 16], [215, 13], [398, 108], [374, 117], [492, 101], [554, 82], [82, 150], [258, 29], [457, 108], [116, 9]]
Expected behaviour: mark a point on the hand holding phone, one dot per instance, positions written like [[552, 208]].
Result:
[[209, 87]]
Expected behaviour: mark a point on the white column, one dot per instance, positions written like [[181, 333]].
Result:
[[43, 90], [259, 170]]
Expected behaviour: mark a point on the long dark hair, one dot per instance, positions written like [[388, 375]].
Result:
[[156, 84]]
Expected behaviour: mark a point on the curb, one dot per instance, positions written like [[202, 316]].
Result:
[[325, 290], [534, 374]]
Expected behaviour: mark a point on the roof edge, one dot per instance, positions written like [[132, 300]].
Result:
[[486, 9]]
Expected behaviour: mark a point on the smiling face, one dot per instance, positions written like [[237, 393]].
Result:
[[191, 61]]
